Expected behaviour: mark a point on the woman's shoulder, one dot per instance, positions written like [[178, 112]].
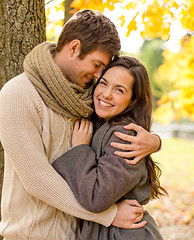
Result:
[[106, 134], [118, 128], [107, 129]]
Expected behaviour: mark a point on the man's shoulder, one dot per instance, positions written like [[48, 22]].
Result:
[[20, 91], [20, 84], [20, 81]]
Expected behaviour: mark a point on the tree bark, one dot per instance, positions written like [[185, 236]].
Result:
[[22, 27]]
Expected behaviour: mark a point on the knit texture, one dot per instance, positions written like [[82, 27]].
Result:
[[37, 203], [62, 96]]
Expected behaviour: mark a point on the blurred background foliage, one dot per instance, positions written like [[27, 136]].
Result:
[[171, 72]]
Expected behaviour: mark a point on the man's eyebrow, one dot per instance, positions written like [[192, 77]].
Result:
[[101, 62]]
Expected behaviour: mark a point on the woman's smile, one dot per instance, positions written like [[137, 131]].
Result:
[[105, 104], [113, 93]]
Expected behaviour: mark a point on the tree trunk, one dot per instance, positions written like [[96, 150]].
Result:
[[68, 10], [22, 26]]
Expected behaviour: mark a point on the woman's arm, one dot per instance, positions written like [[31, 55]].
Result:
[[98, 183]]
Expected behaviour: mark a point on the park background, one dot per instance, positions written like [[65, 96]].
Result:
[[160, 34]]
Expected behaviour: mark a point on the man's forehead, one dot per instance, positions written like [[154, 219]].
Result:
[[102, 57]]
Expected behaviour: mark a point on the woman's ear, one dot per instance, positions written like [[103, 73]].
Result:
[[74, 47]]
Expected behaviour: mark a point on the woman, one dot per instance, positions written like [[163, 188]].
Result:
[[122, 96]]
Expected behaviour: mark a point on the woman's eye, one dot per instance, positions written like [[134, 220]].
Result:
[[119, 90], [102, 83]]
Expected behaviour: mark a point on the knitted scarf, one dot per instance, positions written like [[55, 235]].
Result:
[[62, 96]]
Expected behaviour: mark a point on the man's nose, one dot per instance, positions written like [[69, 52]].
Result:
[[98, 73]]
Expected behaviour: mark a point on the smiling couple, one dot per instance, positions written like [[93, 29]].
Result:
[[41, 108]]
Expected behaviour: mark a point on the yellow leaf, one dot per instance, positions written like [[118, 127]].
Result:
[[132, 26], [122, 20], [131, 5]]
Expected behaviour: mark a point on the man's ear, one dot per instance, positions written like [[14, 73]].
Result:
[[74, 47]]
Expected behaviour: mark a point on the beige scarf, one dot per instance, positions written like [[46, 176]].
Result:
[[62, 96]]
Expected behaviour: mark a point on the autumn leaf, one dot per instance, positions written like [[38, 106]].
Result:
[[132, 26], [122, 20]]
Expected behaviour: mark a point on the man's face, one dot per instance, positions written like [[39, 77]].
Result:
[[81, 71]]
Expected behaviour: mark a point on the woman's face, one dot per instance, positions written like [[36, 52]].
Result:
[[113, 93]]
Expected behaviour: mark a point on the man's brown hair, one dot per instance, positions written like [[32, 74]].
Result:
[[94, 30]]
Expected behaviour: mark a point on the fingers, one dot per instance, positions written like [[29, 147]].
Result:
[[125, 137], [76, 125], [138, 225], [125, 154], [133, 202], [134, 161], [134, 127], [84, 125], [122, 146], [138, 211], [90, 129], [138, 218], [135, 207]]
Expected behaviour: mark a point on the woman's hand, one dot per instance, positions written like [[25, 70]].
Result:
[[82, 132], [140, 146], [129, 214]]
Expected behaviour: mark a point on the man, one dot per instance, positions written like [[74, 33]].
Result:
[[37, 112]]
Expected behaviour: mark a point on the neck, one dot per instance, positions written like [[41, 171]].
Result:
[[60, 59]]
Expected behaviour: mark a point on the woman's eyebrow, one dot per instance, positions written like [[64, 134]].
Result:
[[121, 86], [117, 85], [104, 79]]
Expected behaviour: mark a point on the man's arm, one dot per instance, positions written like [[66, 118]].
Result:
[[21, 138], [139, 146]]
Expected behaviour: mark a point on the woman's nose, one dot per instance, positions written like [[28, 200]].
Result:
[[107, 93]]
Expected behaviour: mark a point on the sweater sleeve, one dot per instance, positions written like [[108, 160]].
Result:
[[98, 183], [20, 135]]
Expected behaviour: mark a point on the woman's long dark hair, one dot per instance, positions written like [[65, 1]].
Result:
[[139, 112]]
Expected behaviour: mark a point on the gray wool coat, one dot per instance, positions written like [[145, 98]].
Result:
[[98, 179]]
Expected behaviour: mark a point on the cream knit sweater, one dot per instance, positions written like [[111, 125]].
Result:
[[37, 204]]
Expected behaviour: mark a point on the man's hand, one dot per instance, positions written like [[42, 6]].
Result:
[[129, 212], [140, 146]]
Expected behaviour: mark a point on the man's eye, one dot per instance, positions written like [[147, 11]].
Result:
[[97, 65]]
